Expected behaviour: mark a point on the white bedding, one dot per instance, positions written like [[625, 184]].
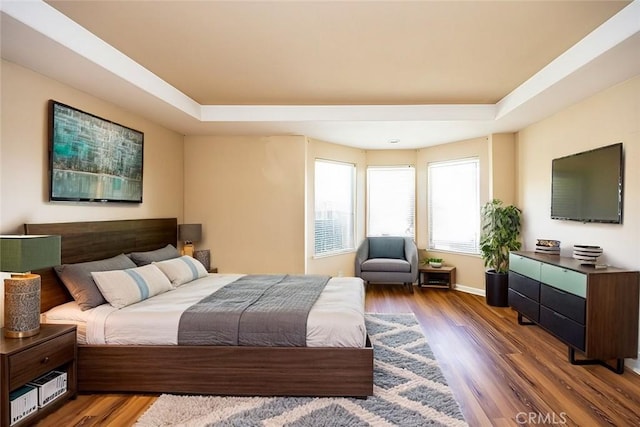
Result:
[[335, 320]]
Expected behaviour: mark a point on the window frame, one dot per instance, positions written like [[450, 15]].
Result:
[[431, 245], [352, 229], [368, 206]]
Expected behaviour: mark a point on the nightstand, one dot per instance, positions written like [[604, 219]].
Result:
[[442, 277], [25, 359]]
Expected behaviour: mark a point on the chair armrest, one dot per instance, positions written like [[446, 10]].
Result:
[[411, 254], [362, 255]]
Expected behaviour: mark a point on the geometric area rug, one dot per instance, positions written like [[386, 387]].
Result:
[[409, 390]]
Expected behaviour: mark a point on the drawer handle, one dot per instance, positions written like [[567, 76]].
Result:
[[45, 360], [558, 291], [559, 315]]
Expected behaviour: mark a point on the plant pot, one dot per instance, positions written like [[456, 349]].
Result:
[[435, 264], [497, 288]]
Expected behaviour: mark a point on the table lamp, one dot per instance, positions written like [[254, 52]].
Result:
[[19, 255], [189, 233]]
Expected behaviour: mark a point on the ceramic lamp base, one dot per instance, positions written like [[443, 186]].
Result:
[[22, 306], [188, 249]]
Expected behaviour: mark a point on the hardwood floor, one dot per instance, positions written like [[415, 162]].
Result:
[[502, 373]]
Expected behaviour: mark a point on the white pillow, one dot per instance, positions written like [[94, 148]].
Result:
[[70, 311], [182, 270], [125, 287]]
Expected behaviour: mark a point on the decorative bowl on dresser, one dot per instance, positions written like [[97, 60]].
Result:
[[593, 311]]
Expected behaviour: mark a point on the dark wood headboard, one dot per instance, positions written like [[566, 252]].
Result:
[[95, 240]]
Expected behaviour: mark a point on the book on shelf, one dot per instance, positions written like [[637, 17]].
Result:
[[50, 386], [24, 401]]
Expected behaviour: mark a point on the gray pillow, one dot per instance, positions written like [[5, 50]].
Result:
[[386, 247], [144, 258], [78, 280]]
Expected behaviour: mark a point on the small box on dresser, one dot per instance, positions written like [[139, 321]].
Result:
[[49, 386], [24, 401]]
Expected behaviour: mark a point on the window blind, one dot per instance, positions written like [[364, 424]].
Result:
[[454, 205], [391, 201], [334, 207]]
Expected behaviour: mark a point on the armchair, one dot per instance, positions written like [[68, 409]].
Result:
[[388, 260]]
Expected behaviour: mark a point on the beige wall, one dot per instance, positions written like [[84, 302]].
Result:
[[249, 195], [502, 167], [24, 156], [391, 157], [342, 264]]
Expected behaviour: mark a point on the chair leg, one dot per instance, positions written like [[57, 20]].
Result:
[[410, 285]]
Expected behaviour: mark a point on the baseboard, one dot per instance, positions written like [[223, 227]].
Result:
[[469, 290]]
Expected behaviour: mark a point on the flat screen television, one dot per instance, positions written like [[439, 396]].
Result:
[[587, 186], [92, 159]]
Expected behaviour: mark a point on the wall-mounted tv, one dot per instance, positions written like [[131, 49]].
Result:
[[587, 186], [92, 159]]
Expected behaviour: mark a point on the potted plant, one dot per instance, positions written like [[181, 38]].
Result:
[[433, 262], [500, 234]]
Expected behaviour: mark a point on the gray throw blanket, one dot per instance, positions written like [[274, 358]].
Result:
[[255, 310]]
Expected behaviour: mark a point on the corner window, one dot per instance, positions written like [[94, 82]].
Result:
[[334, 207], [391, 201], [454, 206]]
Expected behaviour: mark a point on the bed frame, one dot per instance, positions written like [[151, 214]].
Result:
[[221, 370]]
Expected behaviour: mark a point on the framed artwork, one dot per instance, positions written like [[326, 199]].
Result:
[[92, 159]]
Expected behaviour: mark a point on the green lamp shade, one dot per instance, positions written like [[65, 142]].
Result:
[[19, 254]]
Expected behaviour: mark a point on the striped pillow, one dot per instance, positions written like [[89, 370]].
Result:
[[182, 270], [124, 287]]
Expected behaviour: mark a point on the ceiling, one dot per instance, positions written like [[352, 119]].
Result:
[[357, 73]]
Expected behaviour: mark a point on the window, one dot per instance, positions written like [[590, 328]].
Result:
[[391, 201], [454, 206], [334, 207]]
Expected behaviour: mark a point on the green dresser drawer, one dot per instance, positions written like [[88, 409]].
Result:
[[564, 279], [525, 266]]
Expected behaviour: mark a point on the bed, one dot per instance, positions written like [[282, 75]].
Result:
[[198, 369]]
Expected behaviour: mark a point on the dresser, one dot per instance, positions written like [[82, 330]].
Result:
[[593, 311]]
